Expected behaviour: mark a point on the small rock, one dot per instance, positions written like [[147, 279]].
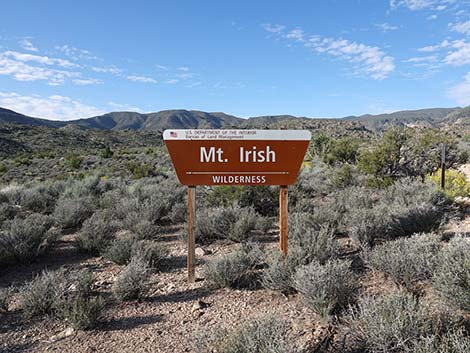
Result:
[[199, 305], [61, 335], [200, 252]]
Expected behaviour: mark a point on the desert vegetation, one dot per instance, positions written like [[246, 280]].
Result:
[[373, 263]]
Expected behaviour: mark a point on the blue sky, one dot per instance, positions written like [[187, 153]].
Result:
[[330, 58]]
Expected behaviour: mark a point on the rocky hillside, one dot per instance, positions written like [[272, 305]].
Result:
[[192, 119]]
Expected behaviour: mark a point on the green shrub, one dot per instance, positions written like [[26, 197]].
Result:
[[244, 225], [7, 212], [3, 168], [314, 242], [393, 323], [234, 270], [234, 223], [78, 305], [5, 298], [406, 207], [82, 313], [146, 230], [452, 276], [267, 334], [74, 161], [403, 152], [308, 243], [279, 272], [455, 183], [39, 296], [145, 202], [140, 170], [264, 199], [106, 152], [152, 253], [131, 283], [72, 212], [454, 341], [38, 199], [179, 213], [123, 250], [326, 288], [96, 233], [406, 260], [23, 239], [120, 250], [92, 186], [264, 224]]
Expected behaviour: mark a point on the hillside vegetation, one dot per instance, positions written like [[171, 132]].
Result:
[[93, 246], [191, 119]]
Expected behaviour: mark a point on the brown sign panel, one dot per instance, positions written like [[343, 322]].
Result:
[[237, 157]]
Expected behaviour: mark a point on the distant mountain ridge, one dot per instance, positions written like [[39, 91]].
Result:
[[193, 119], [428, 117]]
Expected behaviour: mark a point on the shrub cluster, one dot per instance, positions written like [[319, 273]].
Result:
[[394, 323], [122, 250], [23, 239], [406, 207], [267, 334], [132, 283], [406, 260], [234, 223], [78, 305], [309, 242], [326, 288], [69, 297], [235, 270], [96, 233], [451, 279]]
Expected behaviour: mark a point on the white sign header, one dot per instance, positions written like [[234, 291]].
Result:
[[245, 135]]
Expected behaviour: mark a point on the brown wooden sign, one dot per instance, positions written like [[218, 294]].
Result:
[[237, 157]]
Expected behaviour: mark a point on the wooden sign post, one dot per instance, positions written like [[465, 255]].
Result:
[[191, 227], [236, 157], [443, 167], [283, 217]]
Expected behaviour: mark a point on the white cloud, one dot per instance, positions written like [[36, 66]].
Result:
[[433, 48], [76, 53], [16, 66], [414, 5], [108, 70], [456, 52], [26, 44], [54, 107], [143, 79], [421, 59], [172, 81], [162, 67], [461, 92], [367, 60], [87, 81], [183, 68], [461, 27], [386, 27], [460, 55], [431, 17], [194, 84], [43, 60], [276, 29]]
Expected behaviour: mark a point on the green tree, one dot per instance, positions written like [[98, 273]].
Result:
[[107, 152], [402, 152]]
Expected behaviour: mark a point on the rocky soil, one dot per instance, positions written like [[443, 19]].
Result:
[[169, 319]]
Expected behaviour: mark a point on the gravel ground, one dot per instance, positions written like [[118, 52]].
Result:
[[168, 320]]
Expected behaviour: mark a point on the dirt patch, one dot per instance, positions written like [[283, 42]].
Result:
[[168, 320]]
